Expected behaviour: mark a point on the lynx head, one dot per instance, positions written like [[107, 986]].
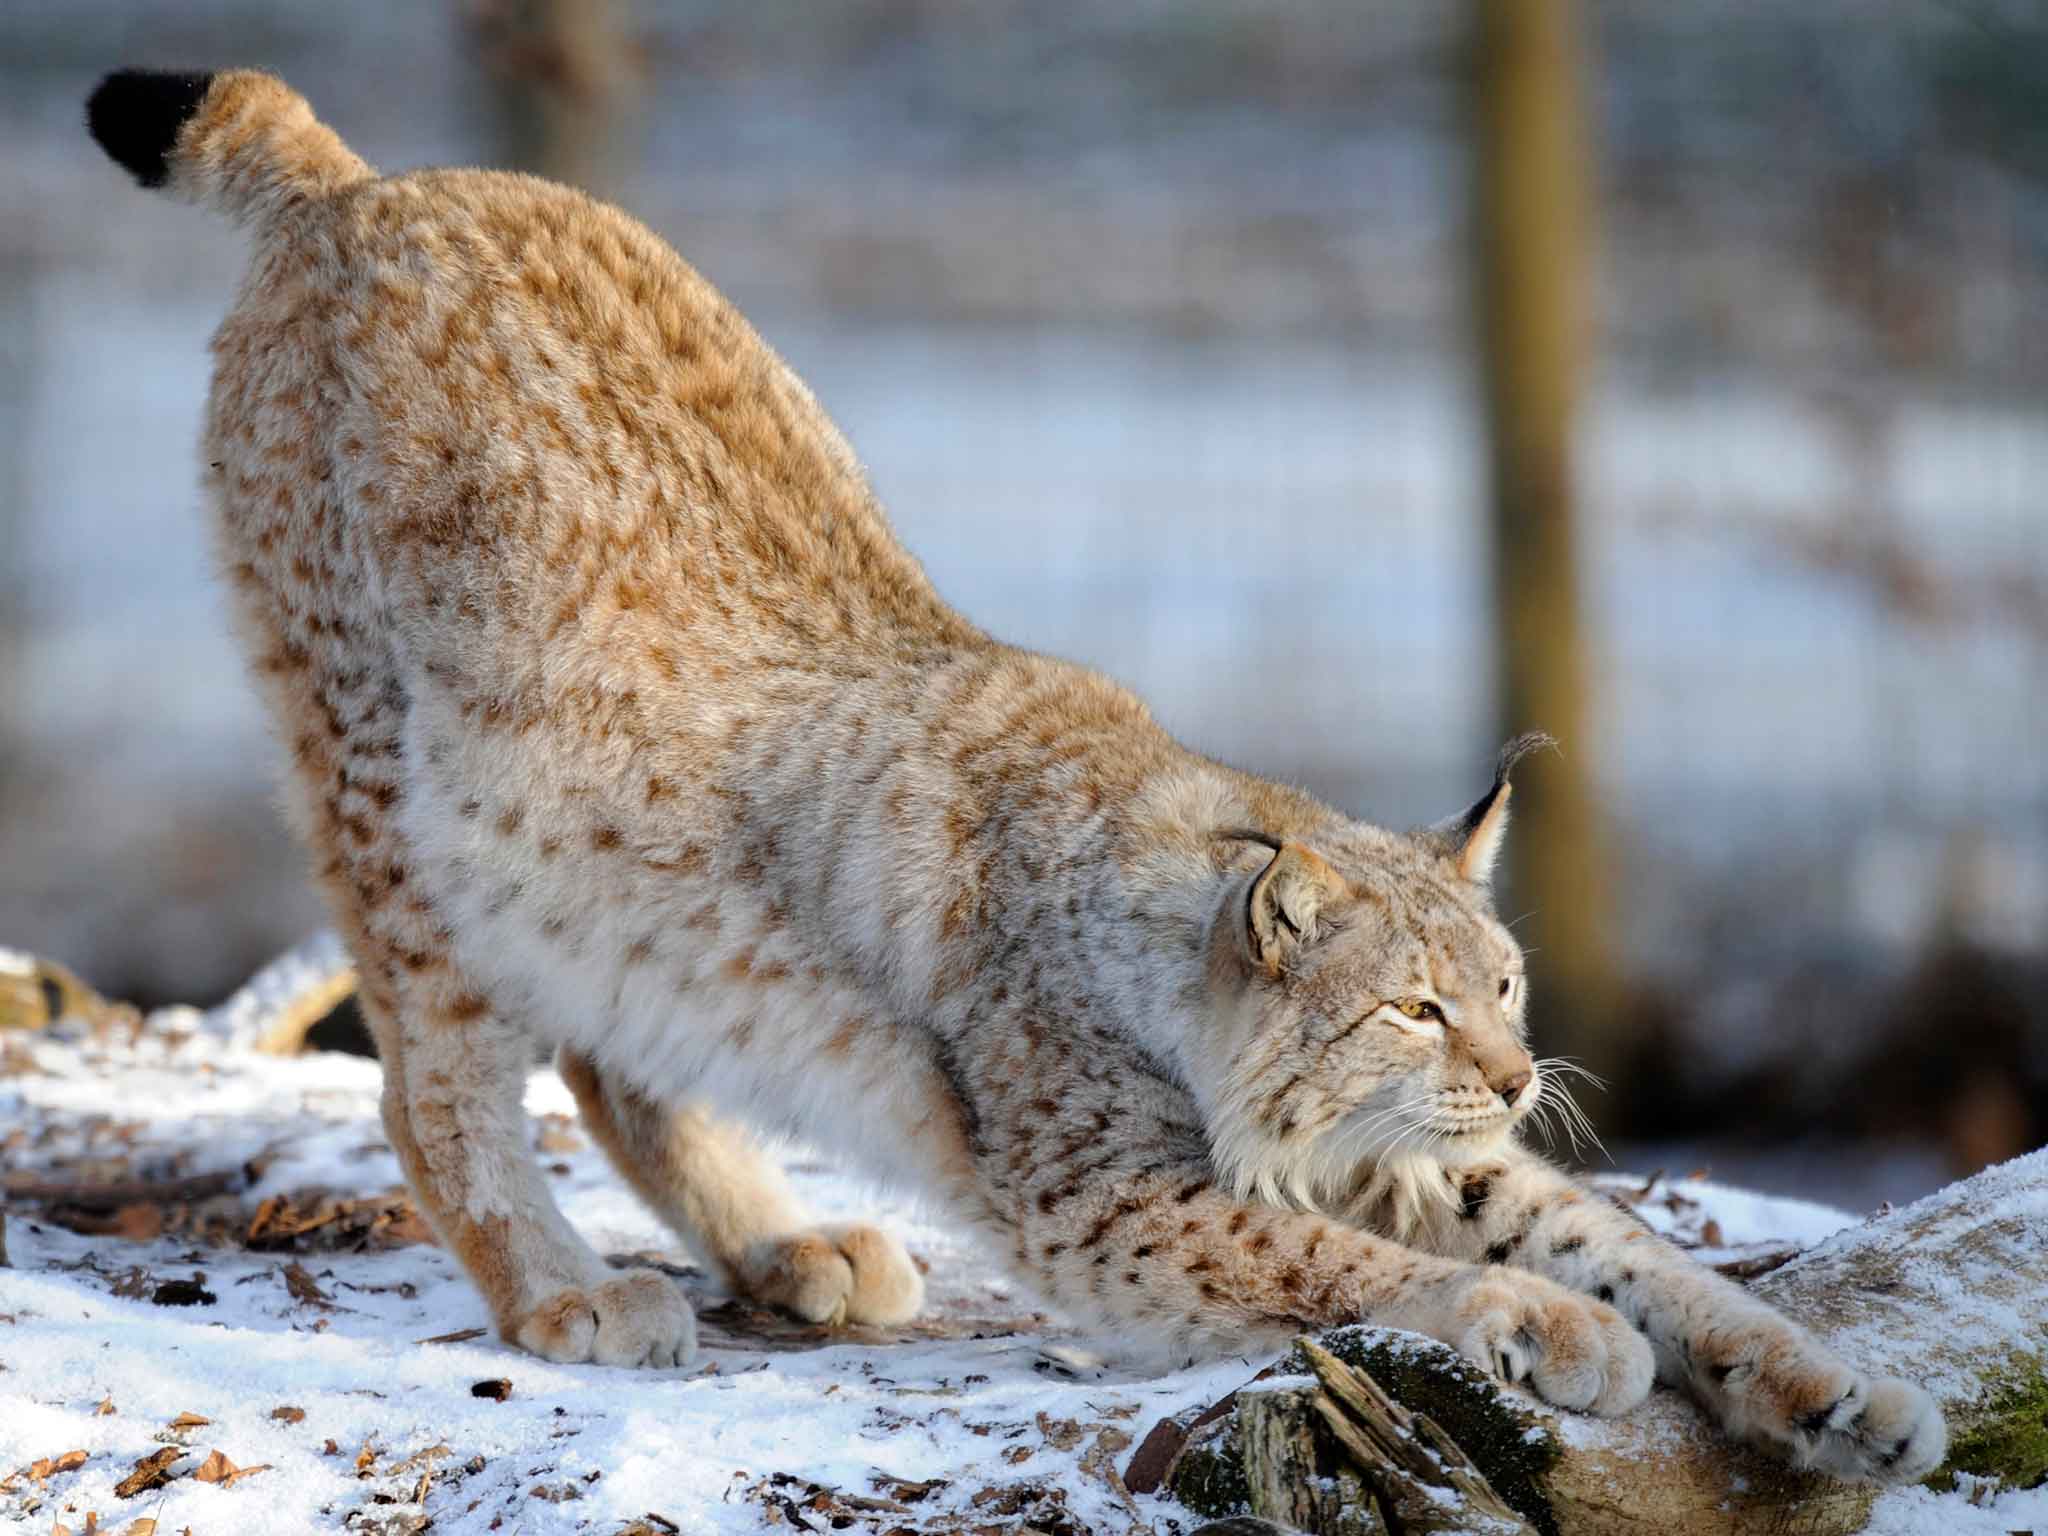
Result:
[[1371, 1022]]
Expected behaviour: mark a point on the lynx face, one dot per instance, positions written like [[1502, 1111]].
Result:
[[1369, 1011], [1379, 1022]]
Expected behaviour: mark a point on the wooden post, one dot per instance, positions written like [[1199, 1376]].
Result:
[[1532, 225], [562, 76]]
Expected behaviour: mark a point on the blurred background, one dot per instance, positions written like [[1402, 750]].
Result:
[[1361, 388]]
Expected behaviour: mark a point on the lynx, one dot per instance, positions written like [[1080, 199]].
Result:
[[619, 718]]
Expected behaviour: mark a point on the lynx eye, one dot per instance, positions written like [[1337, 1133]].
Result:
[[1420, 1008], [1507, 984]]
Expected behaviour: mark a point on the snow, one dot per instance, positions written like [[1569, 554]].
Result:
[[1742, 1221], [982, 1399]]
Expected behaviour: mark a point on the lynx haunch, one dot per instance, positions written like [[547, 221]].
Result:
[[619, 718]]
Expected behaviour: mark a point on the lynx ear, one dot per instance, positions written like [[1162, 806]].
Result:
[[1283, 904], [1472, 842]]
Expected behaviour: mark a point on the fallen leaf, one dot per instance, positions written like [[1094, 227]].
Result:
[[366, 1457], [190, 1421], [218, 1469], [497, 1389], [47, 1467], [300, 1282], [907, 1491], [1060, 1434], [1099, 1461], [152, 1471], [1710, 1234], [287, 1414], [558, 1134], [145, 1527], [105, 1408]]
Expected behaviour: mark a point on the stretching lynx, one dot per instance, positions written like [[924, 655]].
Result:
[[619, 718]]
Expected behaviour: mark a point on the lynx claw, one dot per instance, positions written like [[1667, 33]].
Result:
[[1575, 1352], [1874, 1431]]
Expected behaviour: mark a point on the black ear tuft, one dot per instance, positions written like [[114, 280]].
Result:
[[135, 114], [1473, 840], [1516, 750]]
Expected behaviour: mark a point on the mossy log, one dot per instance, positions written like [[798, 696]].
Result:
[[1951, 1292]]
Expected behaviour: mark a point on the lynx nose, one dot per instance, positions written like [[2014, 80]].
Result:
[[1510, 1088]]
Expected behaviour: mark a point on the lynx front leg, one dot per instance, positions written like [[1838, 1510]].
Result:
[[711, 1182], [1763, 1376], [1158, 1249], [454, 1074]]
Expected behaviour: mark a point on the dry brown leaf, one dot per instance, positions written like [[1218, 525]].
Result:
[[218, 1469], [47, 1467], [1099, 1461], [366, 1457], [190, 1421], [558, 1134], [105, 1408], [285, 1413], [300, 1282], [143, 1527], [1060, 1434]]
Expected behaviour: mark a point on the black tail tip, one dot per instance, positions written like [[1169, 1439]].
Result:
[[135, 114]]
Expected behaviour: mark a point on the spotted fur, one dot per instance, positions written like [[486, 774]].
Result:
[[619, 718]]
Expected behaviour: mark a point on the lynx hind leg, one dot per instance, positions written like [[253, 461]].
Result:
[[714, 1184], [454, 1076]]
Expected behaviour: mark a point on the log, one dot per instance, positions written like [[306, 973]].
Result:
[[1950, 1292], [1290, 1476]]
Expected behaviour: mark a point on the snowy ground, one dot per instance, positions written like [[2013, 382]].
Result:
[[321, 1341]]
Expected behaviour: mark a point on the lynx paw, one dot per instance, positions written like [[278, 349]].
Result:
[[1576, 1352], [834, 1275], [1784, 1388], [638, 1319]]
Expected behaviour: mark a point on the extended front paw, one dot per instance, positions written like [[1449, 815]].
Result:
[[834, 1275], [1775, 1384], [639, 1319], [1576, 1352]]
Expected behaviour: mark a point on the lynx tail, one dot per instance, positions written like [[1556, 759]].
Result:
[[243, 143]]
